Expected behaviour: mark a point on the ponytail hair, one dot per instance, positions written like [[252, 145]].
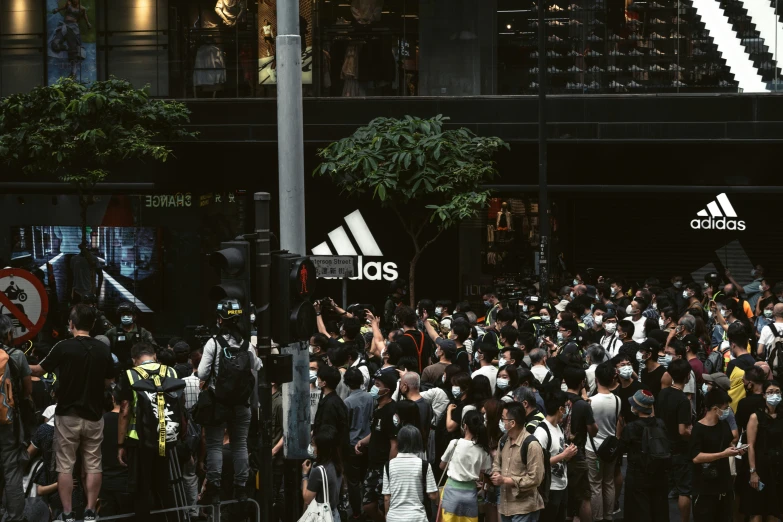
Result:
[[474, 421]]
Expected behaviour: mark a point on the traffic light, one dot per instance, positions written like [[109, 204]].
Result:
[[293, 282], [233, 260]]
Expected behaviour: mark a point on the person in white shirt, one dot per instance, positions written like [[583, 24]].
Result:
[[539, 369], [466, 460], [767, 337], [595, 356], [606, 411], [634, 311], [610, 341], [551, 437], [483, 356]]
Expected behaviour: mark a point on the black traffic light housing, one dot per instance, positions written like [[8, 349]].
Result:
[[293, 283], [233, 260]]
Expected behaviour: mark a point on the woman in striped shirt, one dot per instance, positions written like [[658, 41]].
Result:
[[404, 488]]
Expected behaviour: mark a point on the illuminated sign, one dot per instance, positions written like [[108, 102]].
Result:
[[719, 215]]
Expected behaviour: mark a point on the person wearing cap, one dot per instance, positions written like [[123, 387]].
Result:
[[610, 340], [127, 334], [381, 443], [445, 350], [719, 380], [460, 331], [645, 492], [710, 449]]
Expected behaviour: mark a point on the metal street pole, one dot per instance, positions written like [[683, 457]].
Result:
[[290, 139], [543, 201], [263, 327]]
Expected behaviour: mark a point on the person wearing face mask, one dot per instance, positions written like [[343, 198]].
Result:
[[650, 370], [751, 291], [634, 314], [710, 449], [767, 296], [483, 355], [719, 380], [445, 351], [443, 310], [596, 332], [381, 443], [331, 408], [628, 386], [765, 315], [753, 381], [767, 338], [625, 332], [315, 391], [645, 492], [325, 462], [667, 319], [128, 333], [731, 292], [765, 437], [493, 306], [692, 295], [360, 405], [610, 340], [507, 382], [676, 351], [617, 289], [319, 345], [674, 408]]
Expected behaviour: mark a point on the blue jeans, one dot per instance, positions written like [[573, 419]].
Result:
[[238, 424], [529, 517]]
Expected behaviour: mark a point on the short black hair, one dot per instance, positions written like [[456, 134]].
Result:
[[573, 377], [570, 325], [738, 337], [338, 356], [83, 317], [175, 340], [461, 330], [330, 375], [555, 400], [505, 315], [353, 378], [604, 374], [715, 397], [526, 339], [320, 340], [679, 370], [407, 316], [516, 412], [627, 327], [352, 327], [490, 352], [516, 354], [394, 352], [445, 303], [167, 357], [679, 348], [509, 333], [140, 349]]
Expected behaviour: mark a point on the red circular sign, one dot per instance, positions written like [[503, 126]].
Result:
[[24, 300]]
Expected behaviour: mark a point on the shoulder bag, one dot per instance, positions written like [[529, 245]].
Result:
[[316, 512], [610, 446]]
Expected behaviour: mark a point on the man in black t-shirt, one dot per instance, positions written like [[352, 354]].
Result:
[[651, 372], [674, 407], [754, 400], [381, 442], [710, 448], [627, 388], [84, 371], [577, 424]]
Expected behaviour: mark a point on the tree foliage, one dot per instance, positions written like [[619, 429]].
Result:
[[77, 133], [429, 176]]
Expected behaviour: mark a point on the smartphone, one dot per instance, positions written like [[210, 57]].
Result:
[[743, 447]]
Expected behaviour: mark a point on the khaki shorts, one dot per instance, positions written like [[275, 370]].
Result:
[[73, 434]]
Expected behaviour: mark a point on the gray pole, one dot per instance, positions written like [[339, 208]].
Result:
[[290, 140], [543, 202]]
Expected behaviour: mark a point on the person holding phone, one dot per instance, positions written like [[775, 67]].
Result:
[[764, 498]]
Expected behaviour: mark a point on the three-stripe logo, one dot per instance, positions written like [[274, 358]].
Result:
[[363, 244], [716, 216]]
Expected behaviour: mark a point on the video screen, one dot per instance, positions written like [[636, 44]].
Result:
[[118, 264]]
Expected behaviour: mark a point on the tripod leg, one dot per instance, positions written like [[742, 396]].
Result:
[[173, 483]]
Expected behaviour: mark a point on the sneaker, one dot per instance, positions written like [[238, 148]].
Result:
[[555, 8], [616, 53], [594, 86], [635, 52], [593, 54], [553, 54], [678, 83], [575, 7], [594, 38], [675, 67], [596, 21], [595, 69], [614, 69], [67, 517], [534, 54], [616, 85], [656, 36], [633, 85], [675, 34], [90, 515], [656, 52], [656, 5], [613, 37], [576, 23], [657, 21], [240, 494], [575, 54], [534, 70], [555, 39], [554, 23], [698, 52], [533, 85], [574, 69], [635, 68], [553, 70], [656, 68]]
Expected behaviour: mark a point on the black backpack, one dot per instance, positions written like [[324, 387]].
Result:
[[776, 353], [546, 483], [656, 449], [714, 362], [159, 408], [234, 381]]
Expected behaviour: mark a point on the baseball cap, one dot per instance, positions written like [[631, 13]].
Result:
[[719, 379], [691, 341], [448, 347], [650, 345], [388, 377], [532, 299]]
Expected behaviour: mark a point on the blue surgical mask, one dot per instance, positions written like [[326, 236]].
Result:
[[487, 304], [456, 391], [773, 400], [502, 426], [502, 383], [724, 414], [126, 319], [768, 314], [374, 391], [626, 372], [704, 388], [576, 282], [665, 360], [571, 295], [313, 376], [524, 308], [560, 337]]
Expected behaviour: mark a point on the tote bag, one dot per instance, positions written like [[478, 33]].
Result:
[[316, 512]]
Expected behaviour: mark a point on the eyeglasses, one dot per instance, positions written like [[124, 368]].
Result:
[[505, 420]]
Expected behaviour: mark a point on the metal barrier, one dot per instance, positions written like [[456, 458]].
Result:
[[186, 515]]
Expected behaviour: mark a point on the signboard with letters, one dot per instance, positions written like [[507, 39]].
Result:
[[337, 267]]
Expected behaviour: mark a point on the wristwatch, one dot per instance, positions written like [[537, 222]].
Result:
[[752, 470]]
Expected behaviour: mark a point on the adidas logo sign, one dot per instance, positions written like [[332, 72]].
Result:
[[713, 219], [364, 241]]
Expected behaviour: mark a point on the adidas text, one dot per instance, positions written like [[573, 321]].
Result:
[[376, 271], [717, 224]]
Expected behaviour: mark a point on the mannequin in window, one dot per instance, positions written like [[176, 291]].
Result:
[[503, 222], [67, 38], [269, 37], [230, 11]]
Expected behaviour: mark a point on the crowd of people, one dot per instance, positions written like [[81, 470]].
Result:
[[524, 408]]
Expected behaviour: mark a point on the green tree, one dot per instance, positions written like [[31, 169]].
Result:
[[430, 177], [78, 134]]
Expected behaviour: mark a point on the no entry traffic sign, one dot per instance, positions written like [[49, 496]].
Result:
[[23, 299]]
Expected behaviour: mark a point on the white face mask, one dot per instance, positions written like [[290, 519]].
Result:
[[576, 282], [626, 372], [502, 383], [438, 310], [614, 291], [685, 294], [545, 318], [660, 322], [629, 310], [311, 451], [502, 362], [610, 328], [502, 426], [599, 320]]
